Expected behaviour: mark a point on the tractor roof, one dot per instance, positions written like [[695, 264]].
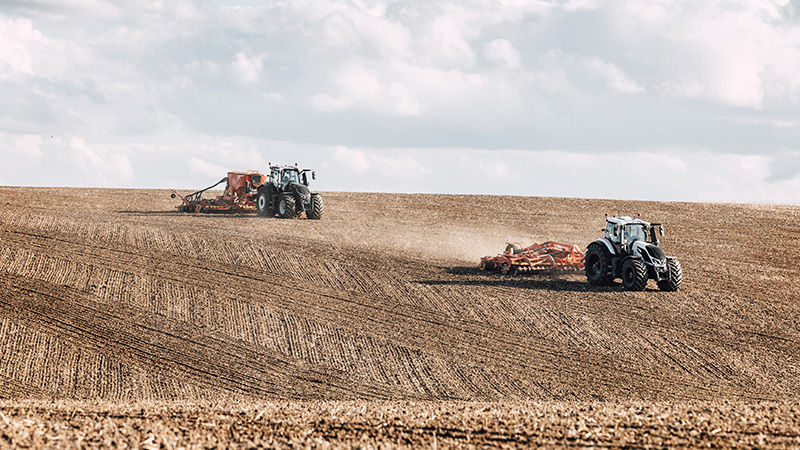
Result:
[[626, 220], [287, 168]]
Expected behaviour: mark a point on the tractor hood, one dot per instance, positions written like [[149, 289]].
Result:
[[650, 253], [301, 190]]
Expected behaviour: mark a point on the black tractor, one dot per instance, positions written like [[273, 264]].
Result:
[[286, 193], [629, 250]]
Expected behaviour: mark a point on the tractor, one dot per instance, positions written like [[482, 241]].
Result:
[[630, 251], [287, 194]]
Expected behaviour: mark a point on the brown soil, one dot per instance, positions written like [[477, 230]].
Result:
[[112, 295], [370, 424]]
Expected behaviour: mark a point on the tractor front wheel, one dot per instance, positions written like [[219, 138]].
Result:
[[315, 212], [674, 277], [634, 275], [286, 206]]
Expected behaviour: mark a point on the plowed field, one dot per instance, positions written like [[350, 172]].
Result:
[[113, 295]]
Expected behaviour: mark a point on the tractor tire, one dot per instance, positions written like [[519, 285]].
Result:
[[263, 206], [675, 277], [315, 212], [634, 275], [598, 266], [287, 208]]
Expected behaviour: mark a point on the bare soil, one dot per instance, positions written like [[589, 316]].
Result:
[[112, 298], [372, 424]]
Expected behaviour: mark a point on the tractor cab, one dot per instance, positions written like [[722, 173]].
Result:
[[282, 176], [623, 231]]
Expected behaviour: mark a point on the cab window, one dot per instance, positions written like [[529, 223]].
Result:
[[290, 176], [612, 232]]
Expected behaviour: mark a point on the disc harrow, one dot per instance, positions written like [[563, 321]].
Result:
[[548, 256]]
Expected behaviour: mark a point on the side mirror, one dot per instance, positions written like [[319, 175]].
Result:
[[661, 229], [313, 175], [172, 195]]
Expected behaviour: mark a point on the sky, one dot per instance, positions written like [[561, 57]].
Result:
[[631, 99]]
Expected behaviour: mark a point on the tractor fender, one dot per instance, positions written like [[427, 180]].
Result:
[[608, 245]]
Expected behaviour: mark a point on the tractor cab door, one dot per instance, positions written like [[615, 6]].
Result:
[[275, 178], [614, 234]]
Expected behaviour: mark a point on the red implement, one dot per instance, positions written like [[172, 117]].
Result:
[[547, 256], [239, 195]]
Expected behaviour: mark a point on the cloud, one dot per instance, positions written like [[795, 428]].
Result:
[[496, 170], [25, 51], [363, 88], [103, 166], [206, 168], [502, 52], [247, 68], [373, 162], [738, 53], [235, 84], [27, 146], [614, 76], [784, 168], [355, 160], [14, 51], [682, 175]]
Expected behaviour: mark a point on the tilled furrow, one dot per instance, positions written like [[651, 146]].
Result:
[[427, 330], [202, 358]]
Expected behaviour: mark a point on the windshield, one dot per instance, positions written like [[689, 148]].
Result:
[[635, 233], [290, 176]]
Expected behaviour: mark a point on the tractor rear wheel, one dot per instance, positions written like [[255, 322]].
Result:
[[674, 278], [598, 266], [634, 275], [316, 207], [286, 206], [263, 206]]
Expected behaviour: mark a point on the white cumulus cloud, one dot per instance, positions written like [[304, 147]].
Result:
[[247, 68], [503, 52]]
